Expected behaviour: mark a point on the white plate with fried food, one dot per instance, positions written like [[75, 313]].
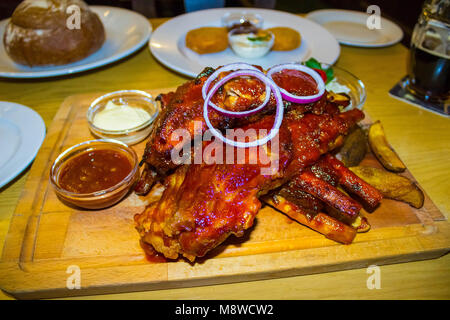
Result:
[[126, 32], [22, 132], [168, 43], [350, 28]]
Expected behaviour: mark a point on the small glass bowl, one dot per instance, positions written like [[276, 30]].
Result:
[[356, 89], [231, 18], [248, 49], [137, 98], [99, 199]]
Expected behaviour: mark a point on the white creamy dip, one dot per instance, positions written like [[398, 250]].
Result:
[[115, 117], [246, 45], [336, 87]]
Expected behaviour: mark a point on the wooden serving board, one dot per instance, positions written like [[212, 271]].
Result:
[[47, 239]]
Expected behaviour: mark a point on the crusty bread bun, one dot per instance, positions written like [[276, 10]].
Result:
[[41, 32]]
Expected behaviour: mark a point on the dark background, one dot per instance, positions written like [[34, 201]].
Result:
[[404, 13]]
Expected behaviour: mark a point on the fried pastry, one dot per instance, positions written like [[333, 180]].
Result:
[[207, 40], [286, 39]]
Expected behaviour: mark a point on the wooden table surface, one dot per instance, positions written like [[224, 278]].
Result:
[[421, 138]]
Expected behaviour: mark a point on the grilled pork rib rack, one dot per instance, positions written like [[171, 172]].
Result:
[[203, 204]]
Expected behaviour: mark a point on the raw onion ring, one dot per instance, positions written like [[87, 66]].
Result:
[[278, 115], [233, 66], [294, 98]]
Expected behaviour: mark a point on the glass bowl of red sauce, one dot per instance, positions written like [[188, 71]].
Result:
[[94, 174]]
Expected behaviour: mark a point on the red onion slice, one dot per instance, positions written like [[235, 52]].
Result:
[[239, 114], [233, 66], [278, 115], [294, 98]]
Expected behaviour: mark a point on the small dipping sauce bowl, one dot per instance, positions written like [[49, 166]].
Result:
[[95, 174], [250, 45], [139, 101]]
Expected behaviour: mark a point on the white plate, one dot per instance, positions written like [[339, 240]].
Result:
[[168, 41], [126, 31], [22, 132], [350, 28]]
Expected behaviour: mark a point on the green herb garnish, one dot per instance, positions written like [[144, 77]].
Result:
[[314, 64], [260, 38], [330, 74]]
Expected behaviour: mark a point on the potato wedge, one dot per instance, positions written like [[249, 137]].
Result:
[[391, 185], [341, 99], [354, 148], [382, 150]]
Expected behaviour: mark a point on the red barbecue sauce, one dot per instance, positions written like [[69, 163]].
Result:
[[94, 170], [296, 82]]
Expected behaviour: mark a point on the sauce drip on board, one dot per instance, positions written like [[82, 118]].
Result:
[[94, 170], [296, 82]]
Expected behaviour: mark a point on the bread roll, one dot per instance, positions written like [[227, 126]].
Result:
[[43, 32]]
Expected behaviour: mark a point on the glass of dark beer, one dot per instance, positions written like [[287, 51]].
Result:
[[429, 60]]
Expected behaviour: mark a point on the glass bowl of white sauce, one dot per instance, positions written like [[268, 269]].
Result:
[[125, 115]]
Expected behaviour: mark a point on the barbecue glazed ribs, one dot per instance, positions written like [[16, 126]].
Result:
[[203, 204], [184, 107]]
